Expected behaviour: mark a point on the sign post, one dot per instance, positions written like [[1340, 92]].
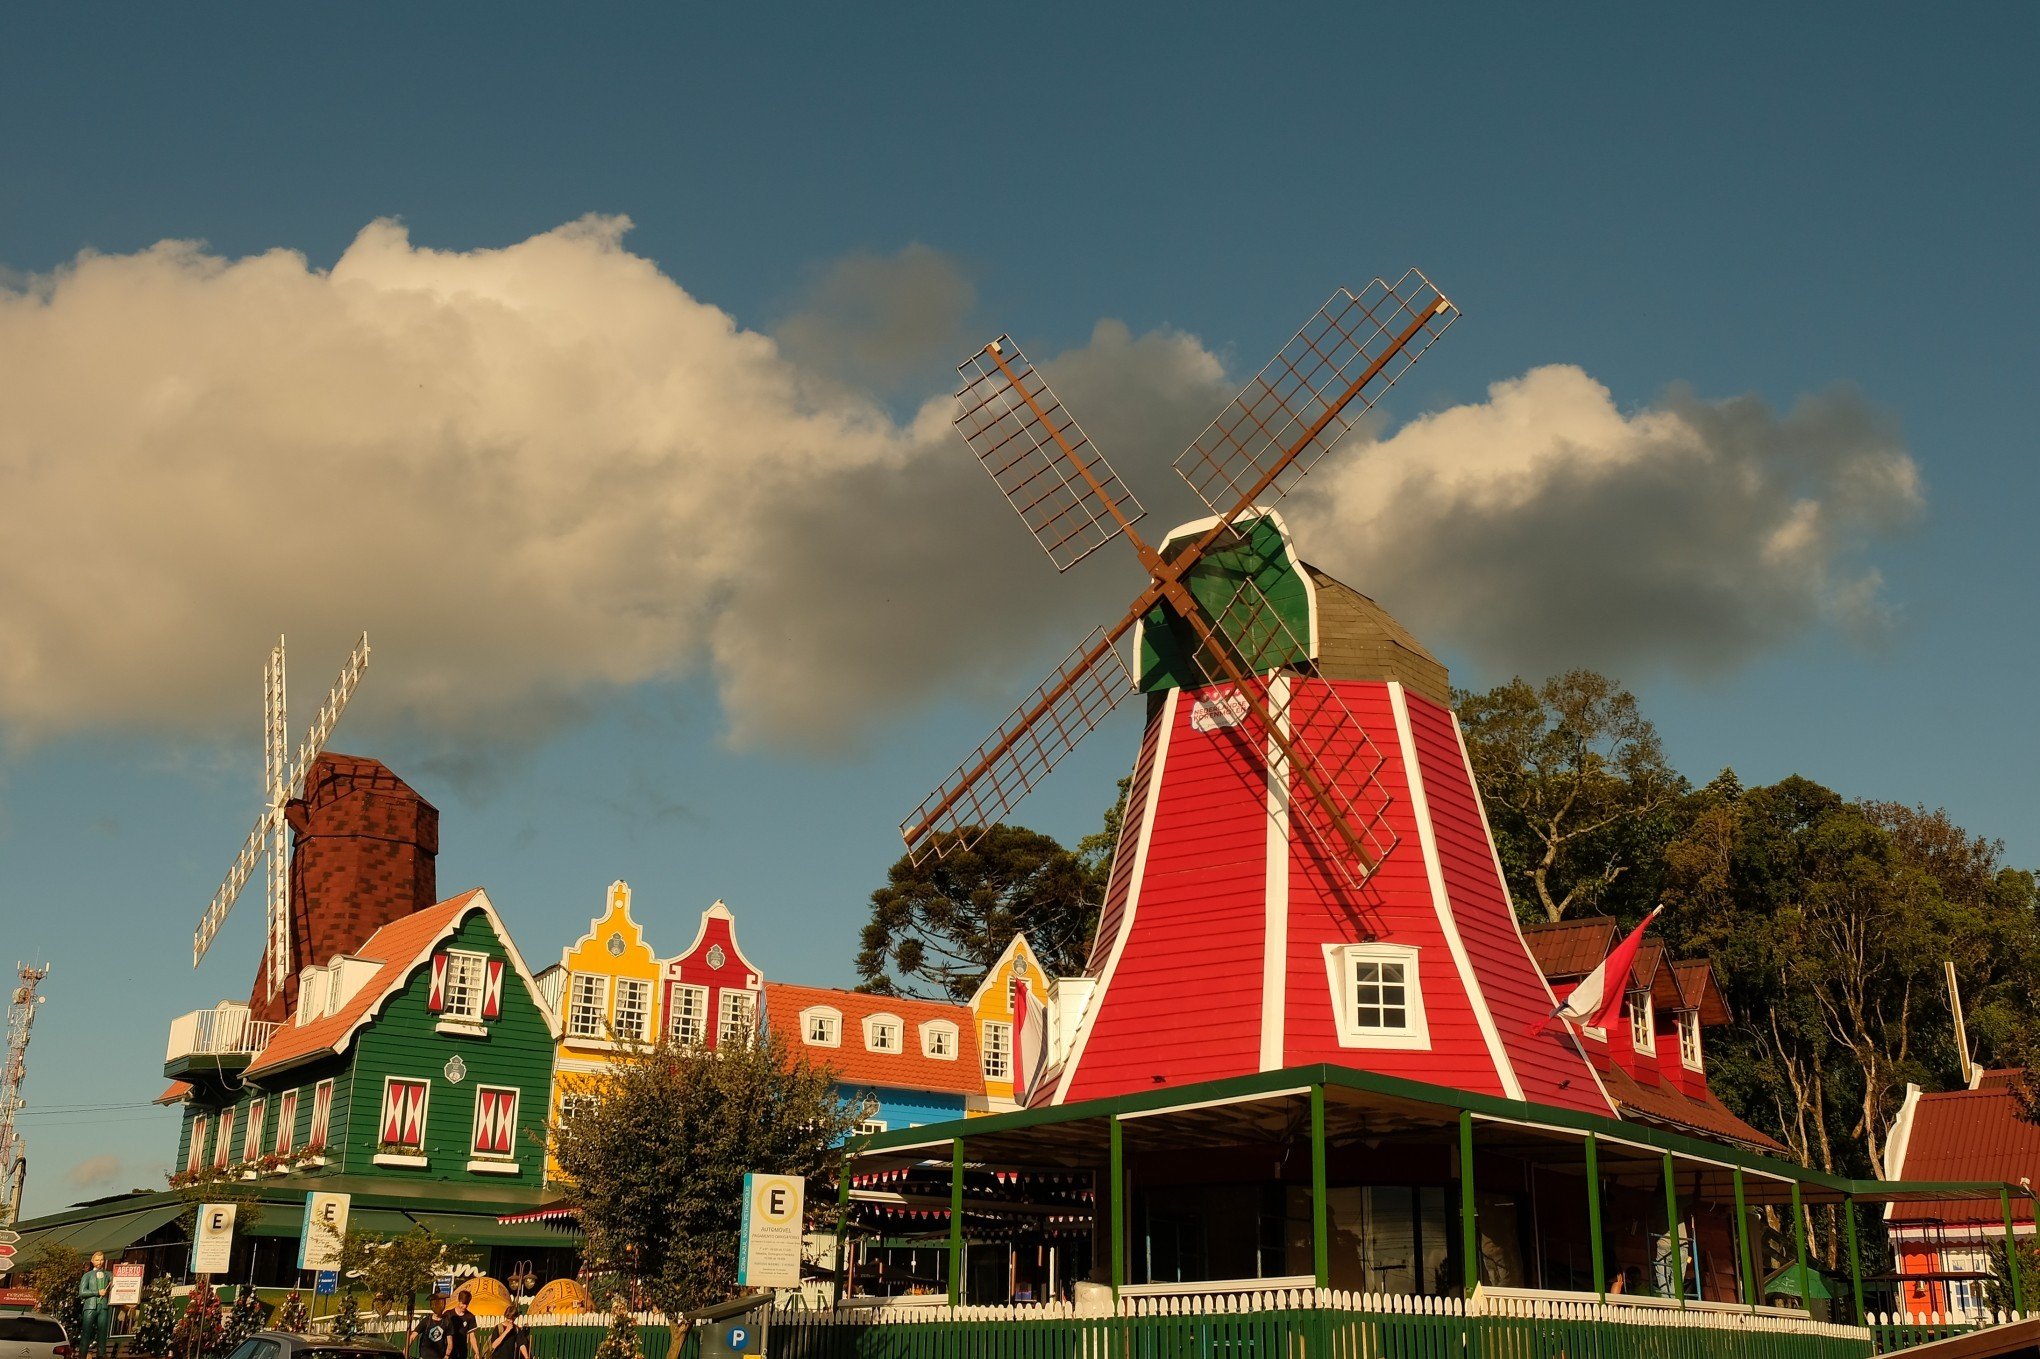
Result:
[[325, 1223], [212, 1245], [768, 1251]]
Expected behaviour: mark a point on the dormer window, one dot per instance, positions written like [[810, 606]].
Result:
[[1377, 996], [1642, 1021], [821, 1027], [311, 995], [882, 1033], [938, 1040], [1689, 1039]]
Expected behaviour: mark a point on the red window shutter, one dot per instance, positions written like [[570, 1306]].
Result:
[[436, 1000], [492, 997]]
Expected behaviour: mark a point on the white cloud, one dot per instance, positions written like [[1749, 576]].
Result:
[[95, 1171], [542, 472]]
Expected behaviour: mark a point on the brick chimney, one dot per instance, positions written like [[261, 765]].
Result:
[[363, 848]]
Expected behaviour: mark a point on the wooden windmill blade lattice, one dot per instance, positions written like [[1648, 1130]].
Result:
[[1325, 379], [1056, 479], [1062, 710]]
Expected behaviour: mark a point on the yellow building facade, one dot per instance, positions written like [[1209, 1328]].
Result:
[[991, 1007], [605, 991]]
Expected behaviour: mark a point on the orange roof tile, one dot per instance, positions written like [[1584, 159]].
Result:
[[856, 1065], [398, 946], [1702, 1114], [177, 1091], [1570, 948]]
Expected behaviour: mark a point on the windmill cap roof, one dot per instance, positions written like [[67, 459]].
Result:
[[1360, 640]]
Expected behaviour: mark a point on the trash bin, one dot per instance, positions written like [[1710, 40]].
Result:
[[734, 1329]]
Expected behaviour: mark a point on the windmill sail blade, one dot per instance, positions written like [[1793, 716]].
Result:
[[1310, 394], [1062, 711], [1059, 483], [329, 714], [223, 900]]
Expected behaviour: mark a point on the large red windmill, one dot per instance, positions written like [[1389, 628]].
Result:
[[1304, 872]]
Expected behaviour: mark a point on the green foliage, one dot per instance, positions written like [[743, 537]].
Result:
[[658, 1163], [156, 1318], [396, 1269], [203, 1326], [620, 1341], [54, 1276], [1997, 1289], [347, 1320], [937, 927], [1578, 792], [248, 1315]]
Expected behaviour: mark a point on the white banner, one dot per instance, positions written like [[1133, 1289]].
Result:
[[325, 1223], [768, 1252], [212, 1243], [127, 1286]]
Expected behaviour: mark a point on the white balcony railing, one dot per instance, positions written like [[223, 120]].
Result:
[[226, 1030]]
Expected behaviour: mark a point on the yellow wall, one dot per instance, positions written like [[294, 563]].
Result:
[[578, 1062], [993, 1003]]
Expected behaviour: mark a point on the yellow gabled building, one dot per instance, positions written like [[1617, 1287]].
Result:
[[991, 1006], [605, 992]]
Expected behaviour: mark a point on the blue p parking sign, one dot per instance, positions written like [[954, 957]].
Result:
[[739, 1339]]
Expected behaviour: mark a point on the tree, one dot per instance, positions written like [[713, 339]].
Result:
[[347, 1320], [1577, 788], [621, 1340], [199, 1330], [248, 1315], [293, 1316], [54, 1276], [396, 1269], [657, 1164]]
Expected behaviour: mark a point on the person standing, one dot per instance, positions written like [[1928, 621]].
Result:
[[461, 1342], [430, 1334], [511, 1341], [95, 1315]]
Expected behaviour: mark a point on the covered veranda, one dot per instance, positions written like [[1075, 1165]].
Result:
[[1331, 1178]]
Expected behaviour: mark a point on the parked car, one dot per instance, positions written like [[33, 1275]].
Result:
[[31, 1335], [284, 1345]]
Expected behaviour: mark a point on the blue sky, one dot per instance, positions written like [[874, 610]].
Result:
[[1678, 211]]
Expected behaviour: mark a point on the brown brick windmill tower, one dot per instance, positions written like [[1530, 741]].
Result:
[[1304, 872], [363, 851]]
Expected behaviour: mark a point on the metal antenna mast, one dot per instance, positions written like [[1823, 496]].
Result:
[[20, 1019]]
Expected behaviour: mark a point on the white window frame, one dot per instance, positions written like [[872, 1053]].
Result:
[[887, 1024], [321, 1130], [679, 1016], [194, 1157], [475, 1151], [251, 1136], [870, 1127], [736, 1017], [995, 1046], [1691, 1054], [1342, 962], [580, 1006], [574, 1103], [286, 1123], [932, 1029], [471, 991], [382, 1119], [1642, 1022], [829, 1018], [640, 1030], [311, 995]]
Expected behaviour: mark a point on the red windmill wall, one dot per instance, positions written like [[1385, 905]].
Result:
[[363, 853], [1211, 954]]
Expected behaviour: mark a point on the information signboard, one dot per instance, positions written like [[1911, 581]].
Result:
[[212, 1244], [127, 1285], [768, 1251], [325, 1223]]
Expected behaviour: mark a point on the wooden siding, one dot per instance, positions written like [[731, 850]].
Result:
[[1394, 906], [302, 1079], [1358, 640], [1546, 1063], [993, 1004], [1120, 880], [403, 1041], [1184, 1003], [692, 968]]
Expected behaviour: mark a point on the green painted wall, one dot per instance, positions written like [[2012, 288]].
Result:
[[404, 1041]]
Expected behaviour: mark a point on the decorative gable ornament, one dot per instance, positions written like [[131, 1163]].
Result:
[[716, 957], [456, 1069]]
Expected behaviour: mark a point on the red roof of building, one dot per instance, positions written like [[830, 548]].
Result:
[[1970, 1135], [855, 1064], [398, 946], [1570, 948], [177, 1091], [1650, 1099]]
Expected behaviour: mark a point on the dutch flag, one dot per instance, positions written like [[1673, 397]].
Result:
[[1030, 1041], [1598, 997]]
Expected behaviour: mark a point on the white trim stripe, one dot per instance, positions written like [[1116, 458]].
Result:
[[1420, 808], [1166, 720], [1275, 935]]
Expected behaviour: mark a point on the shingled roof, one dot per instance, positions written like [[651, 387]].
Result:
[[1970, 1135], [856, 1065]]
